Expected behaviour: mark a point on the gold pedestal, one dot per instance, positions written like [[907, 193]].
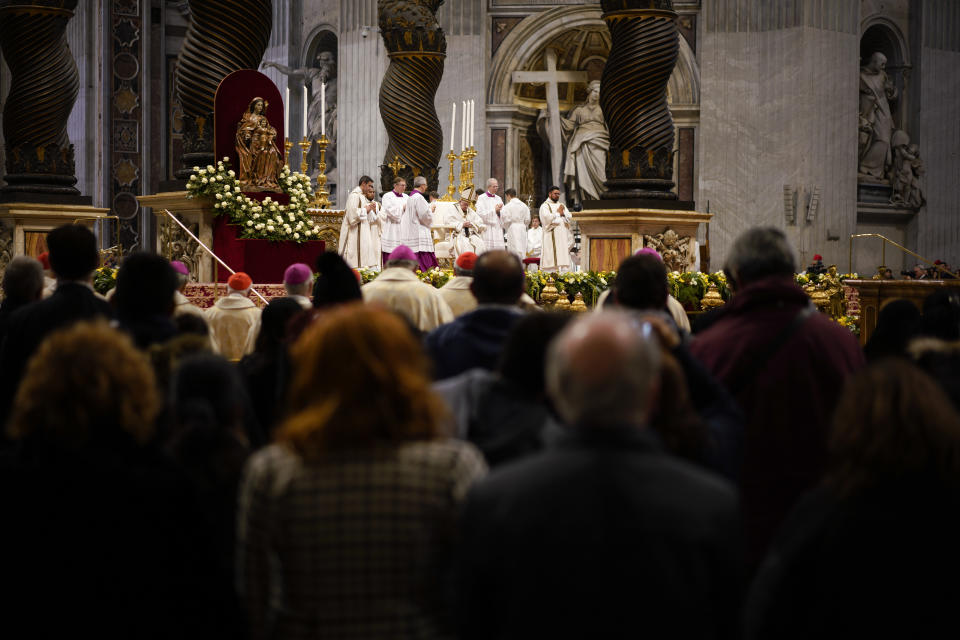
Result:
[[24, 225], [608, 236]]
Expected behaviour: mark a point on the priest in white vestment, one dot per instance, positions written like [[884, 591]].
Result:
[[515, 217], [416, 224], [488, 207], [360, 230], [556, 221], [393, 208], [399, 289], [456, 293], [234, 320]]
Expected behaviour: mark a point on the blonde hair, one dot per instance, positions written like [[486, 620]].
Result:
[[86, 379]]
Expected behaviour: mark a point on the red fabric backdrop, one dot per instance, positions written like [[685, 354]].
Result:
[[263, 260]]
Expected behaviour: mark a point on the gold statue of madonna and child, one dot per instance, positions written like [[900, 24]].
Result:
[[257, 151]]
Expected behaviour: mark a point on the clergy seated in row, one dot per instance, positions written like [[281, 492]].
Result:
[[489, 207], [182, 304], [456, 292], [557, 234], [475, 339], [399, 289], [515, 217], [297, 282], [361, 228], [234, 319]]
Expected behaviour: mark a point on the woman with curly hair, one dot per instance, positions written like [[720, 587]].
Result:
[[357, 501]]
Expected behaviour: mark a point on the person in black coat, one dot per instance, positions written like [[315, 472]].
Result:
[[603, 535], [73, 258], [475, 339]]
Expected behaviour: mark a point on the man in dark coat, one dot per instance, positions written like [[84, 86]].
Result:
[[73, 258], [785, 364], [475, 339], [602, 535]]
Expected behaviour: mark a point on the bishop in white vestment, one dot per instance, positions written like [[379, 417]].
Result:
[[360, 230], [399, 289], [556, 221], [515, 217], [392, 210], [488, 206], [234, 320]]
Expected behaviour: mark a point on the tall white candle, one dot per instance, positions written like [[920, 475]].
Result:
[[463, 129], [453, 123], [470, 131], [305, 103], [323, 108], [286, 113]]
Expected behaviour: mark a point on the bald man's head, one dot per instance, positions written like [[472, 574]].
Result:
[[604, 369], [498, 278]]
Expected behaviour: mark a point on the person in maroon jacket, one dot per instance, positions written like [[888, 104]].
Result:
[[785, 364]]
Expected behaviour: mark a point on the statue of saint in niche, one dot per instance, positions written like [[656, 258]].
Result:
[[259, 158], [906, 172], [875, 120]]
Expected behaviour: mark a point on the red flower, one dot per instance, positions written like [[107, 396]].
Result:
[[938, 262], [817, 258]]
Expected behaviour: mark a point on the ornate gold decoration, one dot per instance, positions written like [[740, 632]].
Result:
[[549, 293], [126, 173], [287, 146], [259, 163], [451, 190], [304, 150], [677, 251], [329, 223], [126, 100], [322, 198], [712, 299], [396, 165], [578, 305], [175, 244], [562, 303], [6, 247]]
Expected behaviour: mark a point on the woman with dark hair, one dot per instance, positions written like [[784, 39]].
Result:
[[897, 324], [873, 551], [350, 517], [336, 282]]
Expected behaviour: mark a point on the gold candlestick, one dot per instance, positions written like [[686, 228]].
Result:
[[287, 145], [451, 190], [305, 146], [470, 153], [464, 163], [322, 198]]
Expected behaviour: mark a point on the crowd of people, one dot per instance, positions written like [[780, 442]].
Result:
[[396, 461], [371, 230]]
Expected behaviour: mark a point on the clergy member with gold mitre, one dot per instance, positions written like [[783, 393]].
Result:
[[555, 220], [393, 208], [488, 207], [234, 320], [469, 226], [360, 230]]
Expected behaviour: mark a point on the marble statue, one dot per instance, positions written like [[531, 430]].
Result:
[[875, 119], [259, 158], [678, 252], [906, 172], [585, 133]]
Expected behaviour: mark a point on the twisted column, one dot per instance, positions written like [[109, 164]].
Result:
[[633, 96], [44, 87], [224, 36], [417, 49]]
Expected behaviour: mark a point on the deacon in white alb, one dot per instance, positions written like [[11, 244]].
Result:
[[556, 233], [416, 224], [360, 230], [488, 206], [394, 205], [515, 217]]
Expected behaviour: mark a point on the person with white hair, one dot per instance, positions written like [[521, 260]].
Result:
[[615, 507], [182, 304], [234, 319], [297, 282], [415, 226], [488, 207]]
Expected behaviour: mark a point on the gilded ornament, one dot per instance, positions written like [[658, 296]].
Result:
[[578, 305], [549, 294], [259, 157], [712, 299]]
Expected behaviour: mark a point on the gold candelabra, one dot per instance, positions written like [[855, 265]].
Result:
[[287, 145], [470, 153], [305, 147], [322, 199], [451, 190]]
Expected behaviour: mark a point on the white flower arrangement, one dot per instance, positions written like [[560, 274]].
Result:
[[256, 219]]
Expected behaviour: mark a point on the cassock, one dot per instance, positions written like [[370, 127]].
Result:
[[456, 293], [392, 210], [399, 290], [416, 230], [234, 324], [360, 232], [555, 254], [487, 210], [515, 217]]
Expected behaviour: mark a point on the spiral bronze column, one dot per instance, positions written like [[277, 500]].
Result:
[[44, 86], [633, 96], [224, 36], [417, 49]]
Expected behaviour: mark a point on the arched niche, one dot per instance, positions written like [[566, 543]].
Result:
[[880, 34]]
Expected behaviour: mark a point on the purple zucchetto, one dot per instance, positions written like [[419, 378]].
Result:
[[297, 273], [402, 252], [647, 251], [179, 267]]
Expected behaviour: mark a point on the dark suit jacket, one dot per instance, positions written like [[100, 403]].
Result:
[[473, 340], [29, 325], [600, 536]]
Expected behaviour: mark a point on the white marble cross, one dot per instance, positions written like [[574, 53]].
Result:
[[552, 78]]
